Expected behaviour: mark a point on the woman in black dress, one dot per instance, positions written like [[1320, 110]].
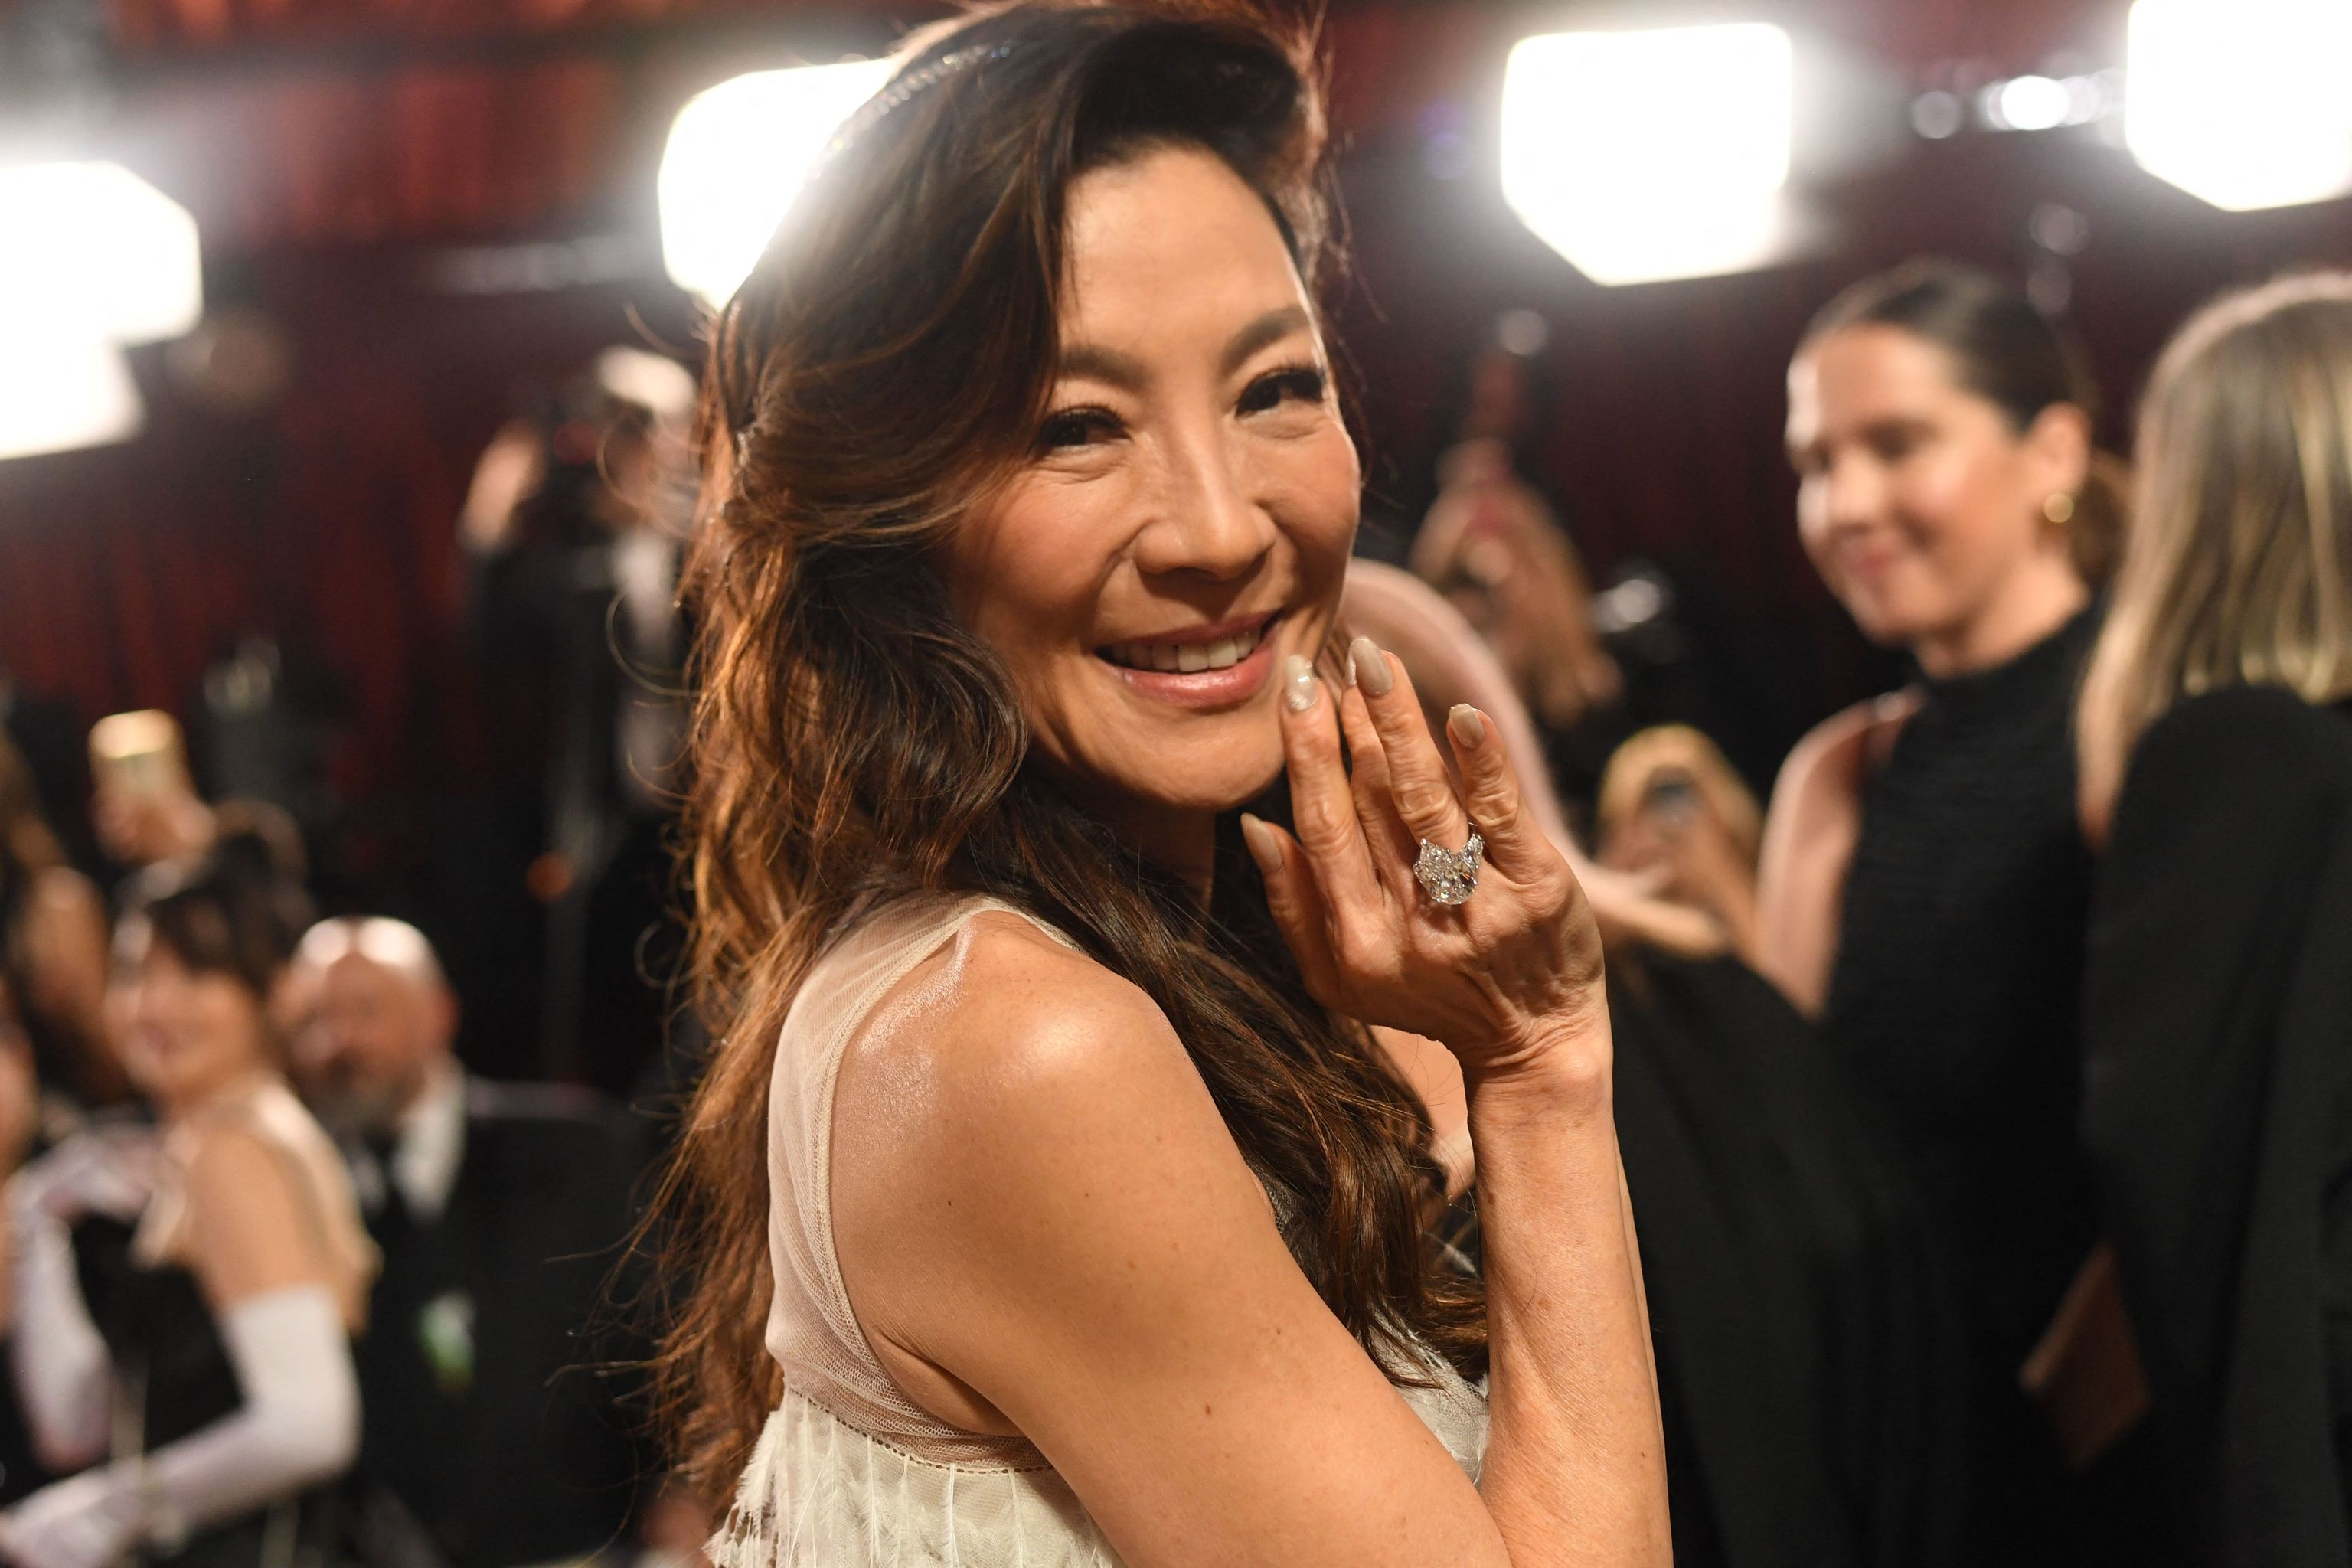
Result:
[[1803, 1330], [2216, 756], [220, 1321], [1924, 883]]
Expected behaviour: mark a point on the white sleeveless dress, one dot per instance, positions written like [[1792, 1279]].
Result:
[[848, 1471]]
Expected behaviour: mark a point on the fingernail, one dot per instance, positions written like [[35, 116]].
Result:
[[1261, 847], [1371, 667], [1464, 725], [1299, 684]]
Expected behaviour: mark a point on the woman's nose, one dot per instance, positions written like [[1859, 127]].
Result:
[[1854, 494], [1210, 523]]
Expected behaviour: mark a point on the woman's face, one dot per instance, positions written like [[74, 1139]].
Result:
[[187, 1032], [1185, 521], [1920, 504]]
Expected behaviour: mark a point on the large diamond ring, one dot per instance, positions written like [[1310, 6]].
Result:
[[1449, 875]]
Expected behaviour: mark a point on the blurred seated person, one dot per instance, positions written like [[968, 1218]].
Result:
[[205, 1275], [574, 533], [2215, 734], [1492, 547], [490, 1437], [1802, 1326], [53, 950], [1672, 810]]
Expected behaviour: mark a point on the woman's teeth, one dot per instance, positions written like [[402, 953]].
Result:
[[1184, 658]]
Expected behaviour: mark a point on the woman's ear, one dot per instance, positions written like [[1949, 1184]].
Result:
[[2058, 448]]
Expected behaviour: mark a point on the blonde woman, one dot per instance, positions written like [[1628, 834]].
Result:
[[2216, 763], [1671, 808]]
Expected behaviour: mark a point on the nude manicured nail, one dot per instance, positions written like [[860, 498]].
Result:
[[1465, 724], [1261, 847], [1297, 684], [1370, 666]]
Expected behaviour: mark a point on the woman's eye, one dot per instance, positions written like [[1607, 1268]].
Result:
[[1075, 427], [1894, 445], [1305, 384]]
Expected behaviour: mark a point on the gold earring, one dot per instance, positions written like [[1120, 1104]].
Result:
[[2059, 508]]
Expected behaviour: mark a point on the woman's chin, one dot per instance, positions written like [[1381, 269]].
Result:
[[1191, 784]]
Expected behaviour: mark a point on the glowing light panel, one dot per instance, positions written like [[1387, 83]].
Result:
[[736, 156], [2034, 103], [1653, 155], [93, 257], [59, 391], [95, 247], [2241, 103]]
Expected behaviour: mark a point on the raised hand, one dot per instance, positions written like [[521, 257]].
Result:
[[1506, 978], [107, 1170]]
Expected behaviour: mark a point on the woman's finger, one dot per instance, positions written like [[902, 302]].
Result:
[[1322, 804], [1418, 785], [1516, 846], [1392, 846], [1295, 903]]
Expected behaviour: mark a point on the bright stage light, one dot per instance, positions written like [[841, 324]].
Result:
[[2033, 103], [738, 155], [1646, 155], [2241, 103], [97, 250], [59, 391], [94, 258]]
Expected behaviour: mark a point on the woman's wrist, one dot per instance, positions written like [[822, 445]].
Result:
[[1559, 1067]]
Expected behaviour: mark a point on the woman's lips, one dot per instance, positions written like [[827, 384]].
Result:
[[1227, 687]]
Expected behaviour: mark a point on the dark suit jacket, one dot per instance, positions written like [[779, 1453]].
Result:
[[486, 1410], [2217, 1111]]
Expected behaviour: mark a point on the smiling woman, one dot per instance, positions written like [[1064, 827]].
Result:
[[1924, 884], [1094, 1211]]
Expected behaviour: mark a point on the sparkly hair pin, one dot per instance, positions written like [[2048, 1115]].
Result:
[[907, 84]]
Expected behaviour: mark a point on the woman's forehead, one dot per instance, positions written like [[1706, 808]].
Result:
[[1167, 240]]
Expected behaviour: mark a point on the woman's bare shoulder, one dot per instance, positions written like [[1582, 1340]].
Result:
[[1000, 1015], [1013, 1107], [1836, 755]]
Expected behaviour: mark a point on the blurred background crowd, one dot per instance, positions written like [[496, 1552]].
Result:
[[348, 355]]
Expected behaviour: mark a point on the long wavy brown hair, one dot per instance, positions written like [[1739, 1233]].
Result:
[[887, 363]]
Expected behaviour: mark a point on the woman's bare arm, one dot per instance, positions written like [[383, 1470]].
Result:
[[1809, 833], [1045, 1228], [1511, 981]]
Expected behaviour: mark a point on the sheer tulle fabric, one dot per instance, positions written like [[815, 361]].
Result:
[[848, 1472]]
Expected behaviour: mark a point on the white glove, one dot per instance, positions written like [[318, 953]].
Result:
[[90, 1521], [300, 1424], [63, 1373], [107, 1170]]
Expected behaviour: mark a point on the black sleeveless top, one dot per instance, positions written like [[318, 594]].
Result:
[[1955, 996]]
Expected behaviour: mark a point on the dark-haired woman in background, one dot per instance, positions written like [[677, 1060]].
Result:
[[228, 1327], [1924, 884], [1095, 1218], [2216, 727]]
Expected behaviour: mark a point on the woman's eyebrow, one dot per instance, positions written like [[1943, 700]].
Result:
[[1272, 326], [1096, 361]]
